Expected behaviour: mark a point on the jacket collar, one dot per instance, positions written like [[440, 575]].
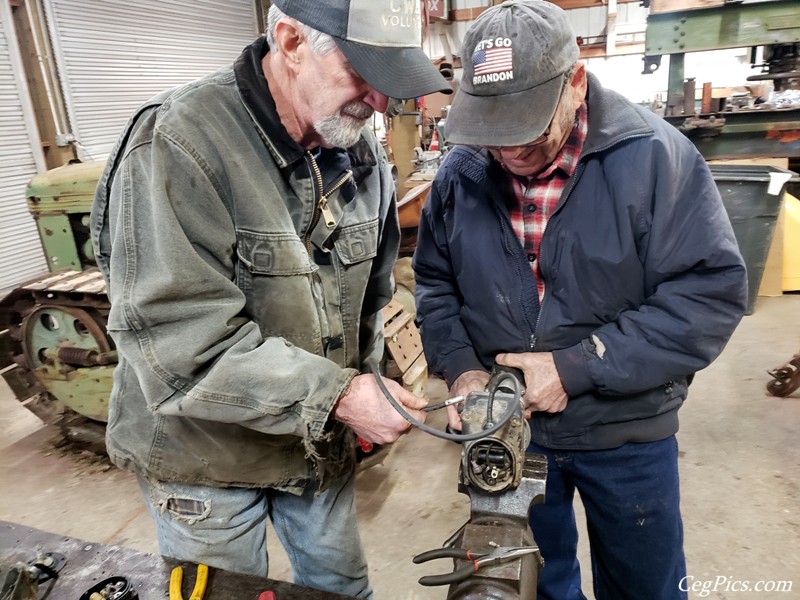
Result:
[[255, 95], [612, 118]]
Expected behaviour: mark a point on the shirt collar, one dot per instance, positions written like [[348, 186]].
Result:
[[567, 158]]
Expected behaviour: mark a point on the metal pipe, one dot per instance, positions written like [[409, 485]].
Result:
[[47, 66]]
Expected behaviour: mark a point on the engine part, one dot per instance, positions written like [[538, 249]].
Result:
[[22, 580], [785, 379], [112, 588], [493, 463]]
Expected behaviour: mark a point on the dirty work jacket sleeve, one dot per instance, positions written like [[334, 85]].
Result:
[[178, 316]]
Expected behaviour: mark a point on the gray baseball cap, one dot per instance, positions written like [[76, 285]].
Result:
[[515, 56], [381, 39]]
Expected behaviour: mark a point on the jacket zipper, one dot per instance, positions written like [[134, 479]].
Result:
[[516, 266], [322, 209], [322, 205]]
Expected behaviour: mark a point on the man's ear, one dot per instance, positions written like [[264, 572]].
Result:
[[579, 85], [288, 39]]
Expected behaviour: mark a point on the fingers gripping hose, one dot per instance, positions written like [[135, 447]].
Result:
[[490, 427]]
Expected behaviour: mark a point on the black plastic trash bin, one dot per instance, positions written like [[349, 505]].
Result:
[[752, 195]]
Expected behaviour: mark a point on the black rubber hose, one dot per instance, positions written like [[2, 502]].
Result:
[[461, 437]]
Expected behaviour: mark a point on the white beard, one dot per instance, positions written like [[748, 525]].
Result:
[[342, 129]]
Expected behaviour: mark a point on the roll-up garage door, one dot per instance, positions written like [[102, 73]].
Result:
[[21, 254], [112, 55]]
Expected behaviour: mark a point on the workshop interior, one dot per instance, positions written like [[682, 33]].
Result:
[[726, 74]]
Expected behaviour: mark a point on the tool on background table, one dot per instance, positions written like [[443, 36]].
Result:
[[176, 579], [477, 560], [267, 596]]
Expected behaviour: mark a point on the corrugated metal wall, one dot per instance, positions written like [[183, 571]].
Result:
[[114, 54], [21, 255]]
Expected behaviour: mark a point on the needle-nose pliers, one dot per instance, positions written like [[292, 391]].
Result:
[[477, 560]]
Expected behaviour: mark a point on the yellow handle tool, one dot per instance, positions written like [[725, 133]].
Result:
[[176, 579]]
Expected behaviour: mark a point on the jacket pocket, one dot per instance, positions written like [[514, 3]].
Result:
[[276, 275], [279, 254], [357, 243]]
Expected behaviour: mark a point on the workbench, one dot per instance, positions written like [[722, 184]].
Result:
[[88, 563]]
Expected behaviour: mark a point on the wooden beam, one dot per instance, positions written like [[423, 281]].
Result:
[[599, 50], [27, 35], [571, 4], [469, 14], [466, 14]]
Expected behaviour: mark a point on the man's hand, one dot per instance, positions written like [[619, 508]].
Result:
[[366, 410], [543, 389], [468, 381]]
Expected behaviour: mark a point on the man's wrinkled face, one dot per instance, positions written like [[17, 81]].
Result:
[[537, 155], [343, 102]]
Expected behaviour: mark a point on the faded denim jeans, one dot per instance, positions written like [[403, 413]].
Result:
[[226, 528]]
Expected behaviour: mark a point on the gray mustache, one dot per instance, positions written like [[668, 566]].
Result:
[[358, 110]]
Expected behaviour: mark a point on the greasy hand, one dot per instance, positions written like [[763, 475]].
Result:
[[366, 410], [468, 381], [544, 392]]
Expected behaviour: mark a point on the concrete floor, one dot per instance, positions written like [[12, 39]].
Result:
[[740, 467]]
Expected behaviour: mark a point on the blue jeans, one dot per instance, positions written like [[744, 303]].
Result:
[[226, 528], [631, 497]]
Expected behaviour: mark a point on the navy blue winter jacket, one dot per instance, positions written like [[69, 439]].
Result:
[[644, 282]]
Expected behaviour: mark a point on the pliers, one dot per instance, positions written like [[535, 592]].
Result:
[[176, 579], [477, 560]]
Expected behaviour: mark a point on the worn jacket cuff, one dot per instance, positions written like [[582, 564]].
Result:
[[573, 370], [318, 418]]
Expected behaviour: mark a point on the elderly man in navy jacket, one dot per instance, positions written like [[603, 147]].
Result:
[[582, 239]]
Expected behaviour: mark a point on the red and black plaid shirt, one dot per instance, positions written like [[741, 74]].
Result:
[[536, 197]]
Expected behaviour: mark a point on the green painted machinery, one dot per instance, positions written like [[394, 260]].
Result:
[[56, 355]]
